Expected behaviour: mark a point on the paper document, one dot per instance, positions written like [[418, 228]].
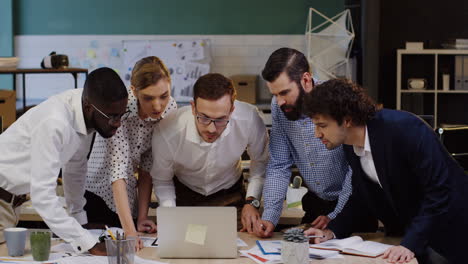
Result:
[[62, 247], [256, 255], [149, 241], [241, 243], [269, 247]]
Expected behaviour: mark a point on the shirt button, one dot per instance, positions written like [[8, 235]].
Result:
[[79, 248], [311, 164]]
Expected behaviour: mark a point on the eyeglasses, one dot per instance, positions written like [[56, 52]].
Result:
[[113, 118], [206, 121]]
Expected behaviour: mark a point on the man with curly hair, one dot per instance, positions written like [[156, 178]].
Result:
[[402, 174]]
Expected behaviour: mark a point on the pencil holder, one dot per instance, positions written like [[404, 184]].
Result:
[[120, 251]]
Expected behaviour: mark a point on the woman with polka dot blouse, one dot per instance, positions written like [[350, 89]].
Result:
[[114, 195]]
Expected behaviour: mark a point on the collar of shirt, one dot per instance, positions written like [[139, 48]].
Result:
[[80, 125], [133, 107], [362, 151]]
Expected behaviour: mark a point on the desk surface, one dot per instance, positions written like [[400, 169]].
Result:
[[151, 253], [40, 70]]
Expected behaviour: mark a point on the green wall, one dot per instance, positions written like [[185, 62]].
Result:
[[6, 38], [62, 17]]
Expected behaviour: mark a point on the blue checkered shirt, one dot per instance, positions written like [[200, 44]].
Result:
[[325, 172]]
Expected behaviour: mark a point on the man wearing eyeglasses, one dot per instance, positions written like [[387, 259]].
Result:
[[57, 134], [201, 145]]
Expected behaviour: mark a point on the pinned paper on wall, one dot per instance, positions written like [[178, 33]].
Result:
[[91, 54], [114, 52], [196, 234], [94, 44], [186, 61]]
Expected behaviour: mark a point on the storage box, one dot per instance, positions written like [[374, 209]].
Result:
[[414, 45], [246, 86], [7, 107]]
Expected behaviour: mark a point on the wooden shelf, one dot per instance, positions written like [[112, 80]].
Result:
[[434, 51], [434, 91], [453, 91], [417, 91], [430, 64]]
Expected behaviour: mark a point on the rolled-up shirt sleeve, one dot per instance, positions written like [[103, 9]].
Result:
[[344, 195], [257, 149], [278, 172]]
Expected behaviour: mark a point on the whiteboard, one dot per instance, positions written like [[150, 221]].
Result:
[[186, 61]]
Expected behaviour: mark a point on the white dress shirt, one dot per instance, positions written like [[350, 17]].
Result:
[[119, 157], [367, 162], [48, 137], [206, 167]]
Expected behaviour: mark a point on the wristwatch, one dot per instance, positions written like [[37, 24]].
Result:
[[254, 202]]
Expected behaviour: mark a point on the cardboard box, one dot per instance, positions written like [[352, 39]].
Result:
[[246, 87], [8, 107]]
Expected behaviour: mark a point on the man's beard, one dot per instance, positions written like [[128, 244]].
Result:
[[295, 110]]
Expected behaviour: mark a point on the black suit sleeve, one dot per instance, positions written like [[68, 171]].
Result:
[[429, 163], [355, 217]]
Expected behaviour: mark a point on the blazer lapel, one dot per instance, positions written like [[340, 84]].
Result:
[[378, 146]]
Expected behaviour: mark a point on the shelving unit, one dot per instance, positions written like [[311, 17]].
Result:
[[447, 106]]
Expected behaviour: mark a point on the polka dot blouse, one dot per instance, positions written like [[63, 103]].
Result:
[[120, 156]]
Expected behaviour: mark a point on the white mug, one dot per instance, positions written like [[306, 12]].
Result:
[[16, 240]]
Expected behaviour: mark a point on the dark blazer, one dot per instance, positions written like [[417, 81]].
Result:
[[423, 184]]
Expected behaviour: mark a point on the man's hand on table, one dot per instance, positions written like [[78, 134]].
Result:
[[325, 234], [99, 249], [264, 228], [398, 254], [249, 218], [321, 222]]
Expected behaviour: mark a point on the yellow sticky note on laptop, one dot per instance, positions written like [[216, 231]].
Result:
[[196, 234]]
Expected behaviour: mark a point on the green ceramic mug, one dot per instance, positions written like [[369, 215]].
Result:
[[40, 245]]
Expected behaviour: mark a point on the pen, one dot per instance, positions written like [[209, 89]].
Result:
[[110, 232]]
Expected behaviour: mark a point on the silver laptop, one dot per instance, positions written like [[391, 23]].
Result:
[[197, 232]]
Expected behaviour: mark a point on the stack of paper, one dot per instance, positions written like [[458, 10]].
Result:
[[8, 62], [269, 252]]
